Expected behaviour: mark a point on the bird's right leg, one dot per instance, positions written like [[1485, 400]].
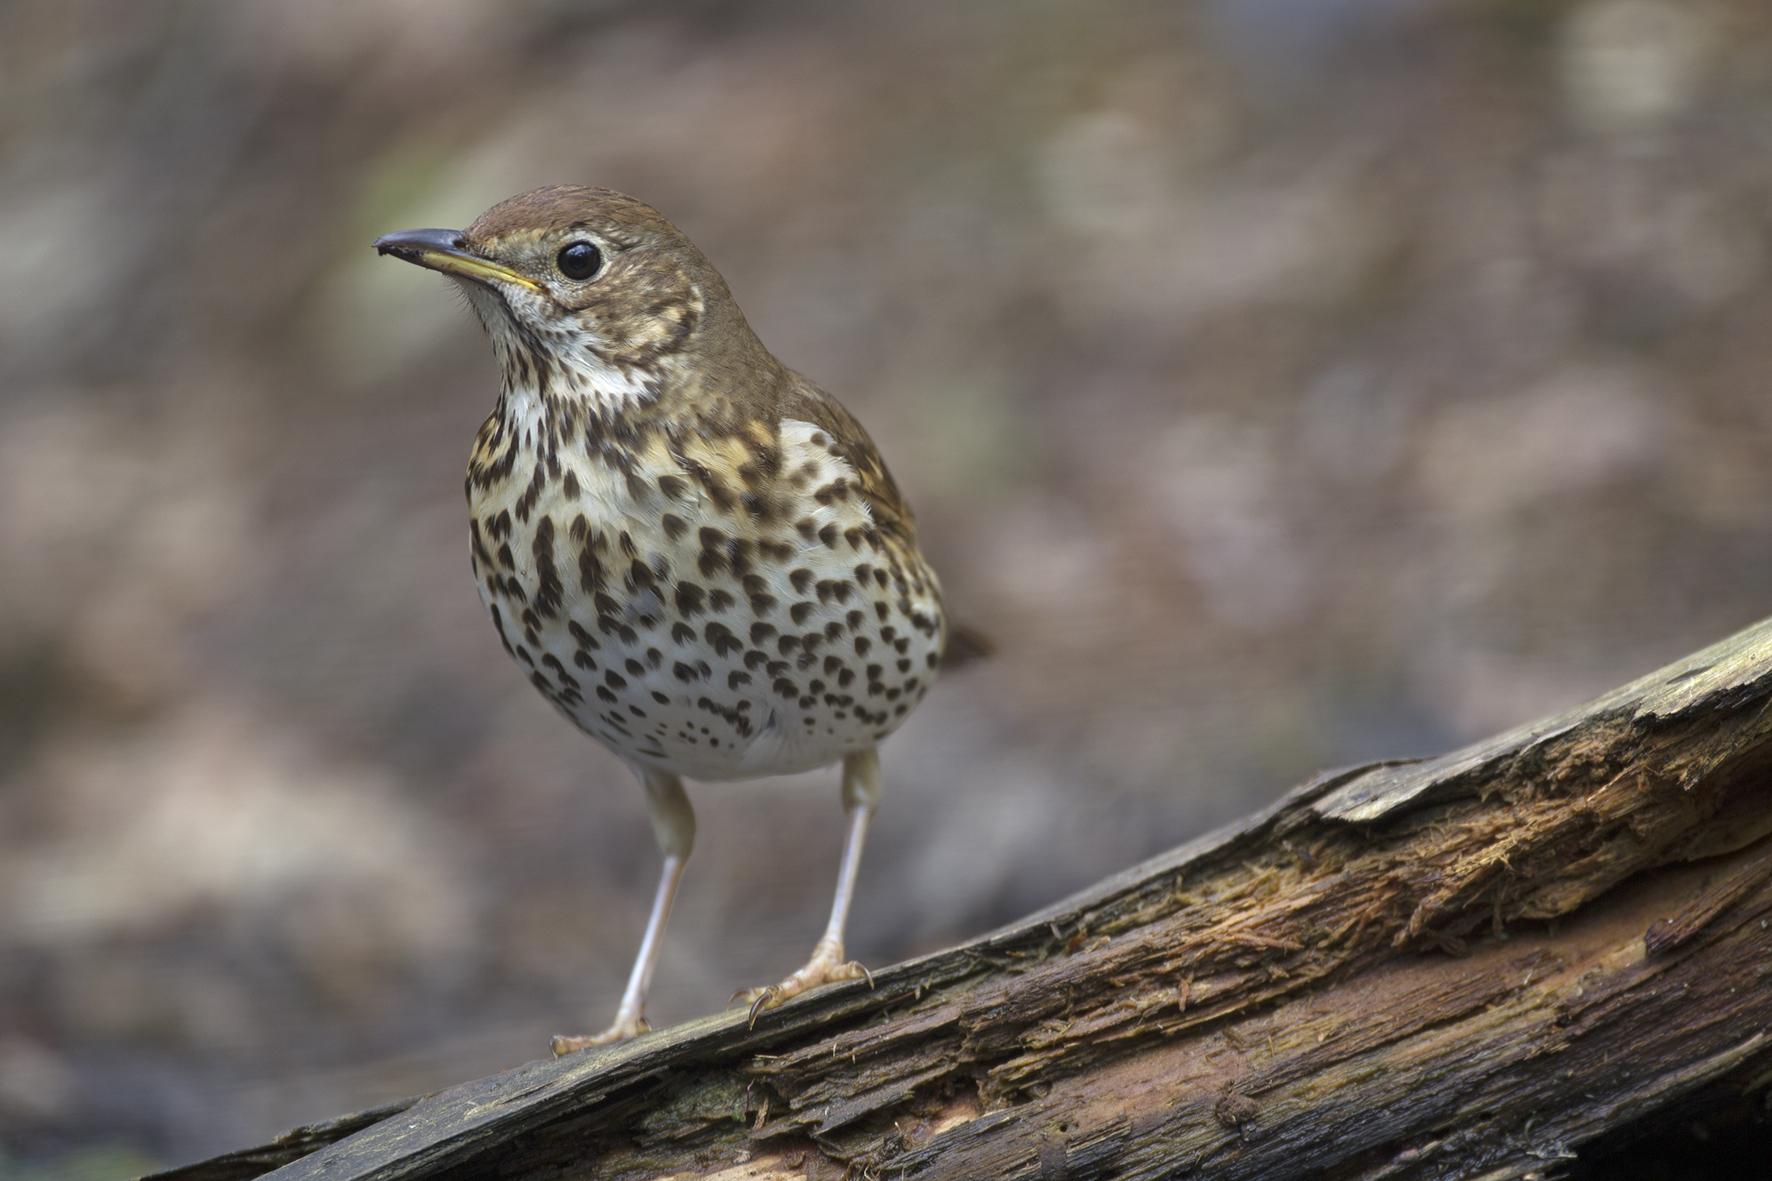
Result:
[[673, 823]]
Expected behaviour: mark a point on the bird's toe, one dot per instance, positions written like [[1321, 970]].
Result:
[[623, 1029], [822, 970]]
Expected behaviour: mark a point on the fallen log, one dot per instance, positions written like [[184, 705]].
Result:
[[1498, 963]]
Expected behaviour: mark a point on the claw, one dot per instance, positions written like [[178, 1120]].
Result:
[[826, 967]]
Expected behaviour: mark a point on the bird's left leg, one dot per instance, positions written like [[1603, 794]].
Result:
[[861, 792]]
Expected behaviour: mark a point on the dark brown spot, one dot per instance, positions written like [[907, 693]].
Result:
[[479, 547], [711, 484], [690, 599], [721, 637], [549, 589], [498, 622]]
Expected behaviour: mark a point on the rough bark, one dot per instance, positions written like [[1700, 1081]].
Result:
[[1482, 964]]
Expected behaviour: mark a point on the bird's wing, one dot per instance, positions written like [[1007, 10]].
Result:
[[807, 403]]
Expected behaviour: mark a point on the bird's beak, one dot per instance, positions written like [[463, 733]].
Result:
[[447, 251]]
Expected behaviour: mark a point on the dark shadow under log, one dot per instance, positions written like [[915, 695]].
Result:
[[1486, 964]]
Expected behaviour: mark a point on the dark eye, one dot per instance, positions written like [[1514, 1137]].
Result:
[[580, 260]]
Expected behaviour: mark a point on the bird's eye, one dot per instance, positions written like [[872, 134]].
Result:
[[579, 260]]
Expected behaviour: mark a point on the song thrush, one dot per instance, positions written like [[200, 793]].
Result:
[[695, 553]]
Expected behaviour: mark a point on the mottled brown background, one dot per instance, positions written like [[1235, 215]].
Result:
[[1284, 382]]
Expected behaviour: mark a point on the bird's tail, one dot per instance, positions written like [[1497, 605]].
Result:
[[965, 645]]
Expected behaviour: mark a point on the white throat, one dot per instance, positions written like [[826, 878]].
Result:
[[562, 366]]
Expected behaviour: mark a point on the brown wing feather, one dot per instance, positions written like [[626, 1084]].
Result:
[[808, 403]]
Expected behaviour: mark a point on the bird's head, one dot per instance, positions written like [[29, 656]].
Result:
[[587, 292]]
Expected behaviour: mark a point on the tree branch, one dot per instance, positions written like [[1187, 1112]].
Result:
[[1473, 965]]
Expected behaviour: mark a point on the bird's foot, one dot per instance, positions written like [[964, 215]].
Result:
[[827, 966], [625, 1026]]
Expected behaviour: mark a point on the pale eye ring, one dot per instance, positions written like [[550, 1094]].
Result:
[[579, 260]]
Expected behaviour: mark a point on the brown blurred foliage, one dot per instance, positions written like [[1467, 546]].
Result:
[[1282, 382]]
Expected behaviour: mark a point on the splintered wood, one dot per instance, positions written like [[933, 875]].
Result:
[[1474, 964]]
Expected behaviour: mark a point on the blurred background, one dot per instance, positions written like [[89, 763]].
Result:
[[1284, 383]]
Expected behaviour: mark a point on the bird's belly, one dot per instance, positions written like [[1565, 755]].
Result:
[[691, 639]]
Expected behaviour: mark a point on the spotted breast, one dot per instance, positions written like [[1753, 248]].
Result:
[[722, 605]]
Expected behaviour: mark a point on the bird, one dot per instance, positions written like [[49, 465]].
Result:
[[695, 553]]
